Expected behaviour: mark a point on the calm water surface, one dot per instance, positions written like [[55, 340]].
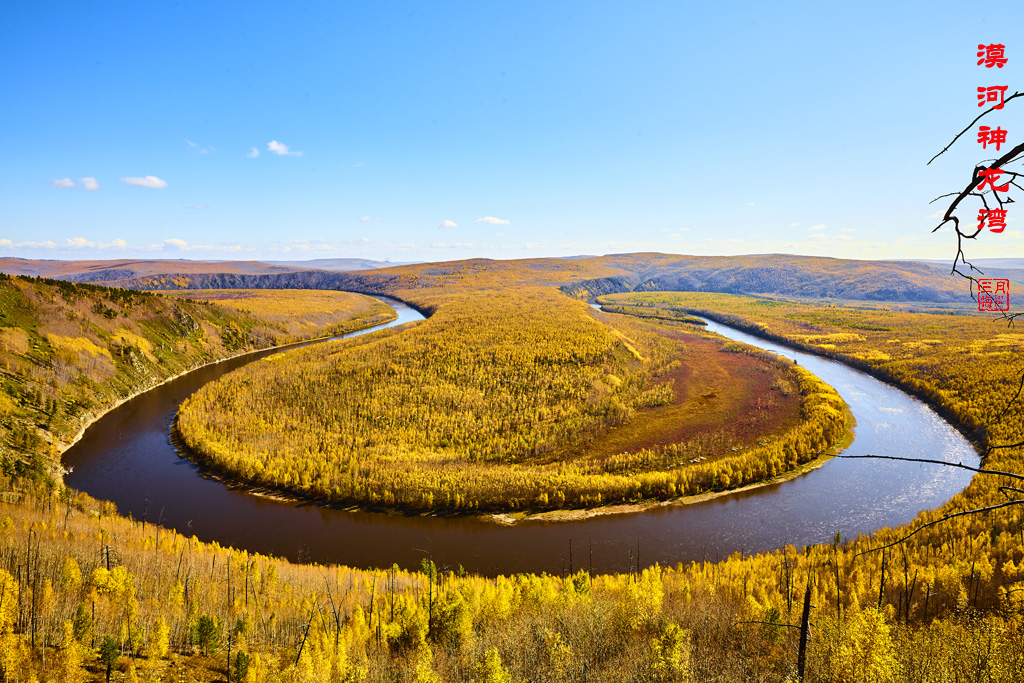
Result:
[[127, 457]]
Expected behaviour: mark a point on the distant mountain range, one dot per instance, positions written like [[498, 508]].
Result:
[[1013, 263], [122, 269], [581, 276], [339, 264]]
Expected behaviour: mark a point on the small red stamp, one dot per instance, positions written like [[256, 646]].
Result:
[[993, 295]]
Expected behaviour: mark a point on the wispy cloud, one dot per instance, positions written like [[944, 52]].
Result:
[[281, 149], [150, 181], [89, 184], [491, 220], [197, 148], [253, 153], [198, 206], [371, 219], [820, 226], [174, 244], [63, 182], [449, 224]]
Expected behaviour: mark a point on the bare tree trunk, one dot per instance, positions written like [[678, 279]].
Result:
[[805, 621]]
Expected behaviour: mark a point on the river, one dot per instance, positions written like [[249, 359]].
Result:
[[127, 457]]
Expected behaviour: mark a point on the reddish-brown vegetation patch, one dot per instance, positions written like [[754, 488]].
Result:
[[725, 400]]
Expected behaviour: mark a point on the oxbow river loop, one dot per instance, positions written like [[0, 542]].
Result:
[[127, 457]]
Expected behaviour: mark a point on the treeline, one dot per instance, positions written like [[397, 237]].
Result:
[[679, 469], [452, 415], [652, 313], [84, 589], [297, 314], [69, 351]]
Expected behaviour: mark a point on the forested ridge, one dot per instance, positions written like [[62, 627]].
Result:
[[944, 605], [778, 274], [70, 351]]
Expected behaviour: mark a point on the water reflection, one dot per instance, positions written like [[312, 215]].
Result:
[[127, 457]]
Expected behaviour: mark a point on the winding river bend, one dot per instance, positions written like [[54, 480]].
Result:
[[127, 457]]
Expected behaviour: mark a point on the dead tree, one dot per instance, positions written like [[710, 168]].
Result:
[[973, 189]]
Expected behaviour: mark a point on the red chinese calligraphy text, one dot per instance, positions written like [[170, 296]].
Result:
[[993, 93], [992, 55], [987, 136], [989, 176], [996, 219]]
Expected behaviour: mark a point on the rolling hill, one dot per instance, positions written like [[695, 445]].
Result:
[[769, 274]]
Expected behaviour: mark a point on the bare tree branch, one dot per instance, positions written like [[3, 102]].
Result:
[[971, 125], [1009, 157], [944, 518], [1010, 402], [936, 462]]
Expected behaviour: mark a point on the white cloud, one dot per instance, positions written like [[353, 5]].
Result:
[[175, 244], [48, 244], [198, 148], [5, 242], [63, 182], [198, 206], [370, 219], [818, 227], [793, 225], [491, 220], [281, 149], [449, 224], [89, 184], [150, 181], [119, 243], [253, 153], [79, 243]]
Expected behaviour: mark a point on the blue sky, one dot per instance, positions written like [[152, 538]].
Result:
[[431, 131]]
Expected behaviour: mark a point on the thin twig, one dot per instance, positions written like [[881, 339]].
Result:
[[975, 511], [936, 462], [1016, 94]]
